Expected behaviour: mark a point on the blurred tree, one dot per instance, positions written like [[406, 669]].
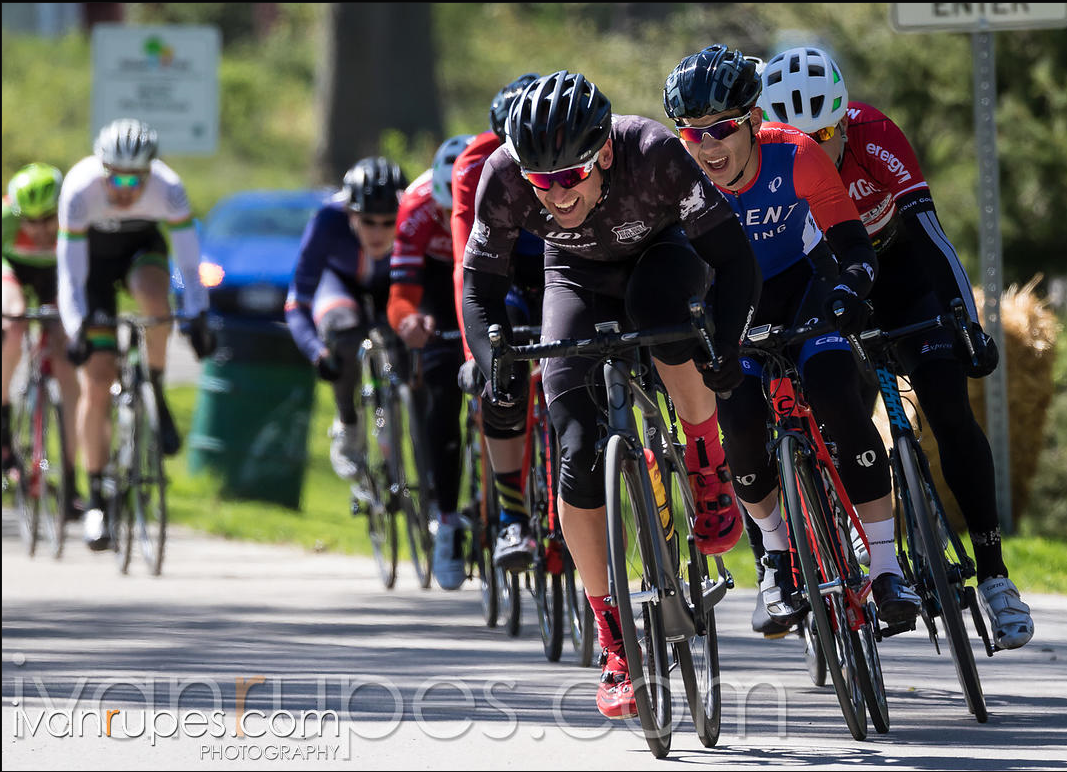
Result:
[[376, 72]]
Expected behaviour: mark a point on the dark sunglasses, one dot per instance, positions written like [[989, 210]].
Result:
[[374, 222], [824, 135], [565, 178], [719, 130], [43, 220], [127, 181]]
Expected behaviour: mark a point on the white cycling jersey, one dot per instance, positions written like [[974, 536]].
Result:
[[83, 204]]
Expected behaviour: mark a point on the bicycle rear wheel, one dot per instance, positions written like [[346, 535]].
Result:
[[629, 488], [54, 478], [948, 593], [800, 497], [148, 482], [548, 561], [415, 490]]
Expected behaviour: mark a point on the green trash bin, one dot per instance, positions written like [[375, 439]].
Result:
[[253, 409]]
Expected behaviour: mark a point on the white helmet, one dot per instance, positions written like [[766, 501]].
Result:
[[126, 143], [443, 161], [804, 88]]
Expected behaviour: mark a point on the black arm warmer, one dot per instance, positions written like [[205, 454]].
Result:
[[484, 304], [855, 256], [738, 280]]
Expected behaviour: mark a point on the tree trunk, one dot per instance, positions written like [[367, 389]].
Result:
[[376, 72]]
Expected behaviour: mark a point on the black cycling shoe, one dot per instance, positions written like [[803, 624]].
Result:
[[170, 440], [762, 622], [515, 548], [778, 589], [897, 602]]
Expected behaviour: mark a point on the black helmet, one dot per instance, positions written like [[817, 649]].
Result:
[[559, 121], [374, 186], [713, 81], [498, 111]]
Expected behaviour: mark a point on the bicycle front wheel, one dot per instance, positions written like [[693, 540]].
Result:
[[23, 474], [948, 593], [148, 482], [629, 494], [413, 474], [370, 490], [54, 477], [831, 628]]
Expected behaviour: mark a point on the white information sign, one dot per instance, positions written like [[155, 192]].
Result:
[[167, 76], [976, 17]]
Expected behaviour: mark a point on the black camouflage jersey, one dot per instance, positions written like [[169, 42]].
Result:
[[654, 184]]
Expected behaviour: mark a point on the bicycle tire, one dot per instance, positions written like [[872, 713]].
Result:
[[651, 678], [118, 488], [54, 480], [799, 490], [547, 584], [947, 595], [548, 597], [149, 482], [487, 577], [375, 477], [813, 652], [578, 612], [22, 442], [414, 491], [509, 601]]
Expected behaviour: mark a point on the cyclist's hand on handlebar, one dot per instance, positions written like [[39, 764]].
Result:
[[727, 378], [201, 337], [79, 348], [846, 310], [986, 354], [470, 378], [415, 330], [504, 398], [328, 365]]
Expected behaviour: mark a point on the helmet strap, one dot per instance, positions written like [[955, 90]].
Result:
[[751, 144]]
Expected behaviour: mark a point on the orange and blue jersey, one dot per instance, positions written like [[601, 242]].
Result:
[[795, 197]]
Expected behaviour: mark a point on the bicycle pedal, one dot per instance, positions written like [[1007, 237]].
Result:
[[887, 631]]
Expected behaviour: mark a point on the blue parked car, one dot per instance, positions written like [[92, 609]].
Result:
[[248, 250]]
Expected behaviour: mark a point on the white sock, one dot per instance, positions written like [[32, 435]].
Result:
[[775, 534], [882, 548]]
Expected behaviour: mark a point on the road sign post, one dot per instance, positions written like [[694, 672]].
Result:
[[981, 20]]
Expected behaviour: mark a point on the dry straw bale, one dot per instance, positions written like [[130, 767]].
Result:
[[1030, 330]]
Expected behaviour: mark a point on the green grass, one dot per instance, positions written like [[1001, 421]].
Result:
[[1037, 564]]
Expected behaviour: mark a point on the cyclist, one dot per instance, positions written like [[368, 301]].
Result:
[[515, 546], [919, 275], [795, 211], [30, 228], [632, 231], [113, 208], [339, 290], [421, 305]]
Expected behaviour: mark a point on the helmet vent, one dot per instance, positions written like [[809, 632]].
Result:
[[816, 105]]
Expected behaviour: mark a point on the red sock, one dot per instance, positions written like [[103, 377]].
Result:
[[703, 448], [609, 629]]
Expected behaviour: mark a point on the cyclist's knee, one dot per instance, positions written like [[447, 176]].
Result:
[[581, 481]]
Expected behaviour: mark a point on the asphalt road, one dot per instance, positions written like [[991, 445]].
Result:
[[417, 681]]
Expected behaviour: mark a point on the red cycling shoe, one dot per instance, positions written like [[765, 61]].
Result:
[[615, 696], [719, 524]]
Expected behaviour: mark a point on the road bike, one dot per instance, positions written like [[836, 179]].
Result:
[[842, 629], [134, 483], [671, 612], [40, 478], [932, 556]]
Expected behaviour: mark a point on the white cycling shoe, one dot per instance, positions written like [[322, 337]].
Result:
[[1012, 624], [95, 530], [347, 450], [449, 565]]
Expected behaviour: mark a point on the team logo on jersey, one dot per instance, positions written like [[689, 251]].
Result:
[[630, 232], [893, 164], [694, 202], [775, 184]]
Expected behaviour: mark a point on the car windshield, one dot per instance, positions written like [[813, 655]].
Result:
[[278, 220]]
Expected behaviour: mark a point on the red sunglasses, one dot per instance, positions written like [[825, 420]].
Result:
[[719, 130], [565, 178]]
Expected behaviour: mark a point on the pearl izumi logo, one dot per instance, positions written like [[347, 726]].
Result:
[[866, 458]]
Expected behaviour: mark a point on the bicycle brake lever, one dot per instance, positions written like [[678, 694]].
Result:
[[959, 316]]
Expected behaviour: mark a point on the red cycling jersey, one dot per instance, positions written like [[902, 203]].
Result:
[[465, 175], [422, 240], [879, 167]]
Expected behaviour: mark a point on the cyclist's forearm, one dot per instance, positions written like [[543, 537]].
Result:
[[738, 280], [186, 248], [484, 304], [72, 273]]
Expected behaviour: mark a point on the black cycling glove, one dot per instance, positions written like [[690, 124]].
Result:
[[986, 354], [201, 337], [79, 348], [854, 311]]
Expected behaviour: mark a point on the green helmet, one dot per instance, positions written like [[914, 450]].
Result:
[[34, 191]]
